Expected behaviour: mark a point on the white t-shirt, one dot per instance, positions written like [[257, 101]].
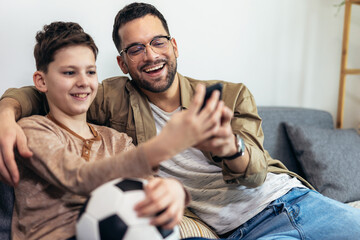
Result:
[[222, 206]]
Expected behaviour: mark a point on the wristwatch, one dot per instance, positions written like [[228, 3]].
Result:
[[240, 148]]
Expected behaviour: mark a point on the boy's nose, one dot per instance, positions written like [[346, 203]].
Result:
[[82, 80]]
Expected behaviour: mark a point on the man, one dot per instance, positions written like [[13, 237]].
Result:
[[237, 188]]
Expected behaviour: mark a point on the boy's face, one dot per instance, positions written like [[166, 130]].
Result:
[[153, 72], [71, 81]]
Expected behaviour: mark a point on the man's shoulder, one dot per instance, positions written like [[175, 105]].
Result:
[[211, 82], [231, 88], [232, 92], [115, 82]]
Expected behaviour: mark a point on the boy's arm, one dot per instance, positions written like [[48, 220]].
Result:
[[66, 169]]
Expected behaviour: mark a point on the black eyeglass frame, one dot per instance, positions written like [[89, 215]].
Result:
[[125, 50]]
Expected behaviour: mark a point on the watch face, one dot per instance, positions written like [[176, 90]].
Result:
[[241, 145]]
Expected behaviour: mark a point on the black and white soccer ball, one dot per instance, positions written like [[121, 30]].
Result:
[[109, 214]]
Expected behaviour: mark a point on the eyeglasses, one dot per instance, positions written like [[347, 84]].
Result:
[[136, 51]]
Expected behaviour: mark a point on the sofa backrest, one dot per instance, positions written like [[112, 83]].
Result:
[[276, 141]]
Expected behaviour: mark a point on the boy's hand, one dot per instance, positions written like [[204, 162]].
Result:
[[193, 125], [165, 196], [222, 143]]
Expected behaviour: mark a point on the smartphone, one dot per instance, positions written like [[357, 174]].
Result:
[[210, 90]]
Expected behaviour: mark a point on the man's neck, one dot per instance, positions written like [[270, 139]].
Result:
[[169, 100]]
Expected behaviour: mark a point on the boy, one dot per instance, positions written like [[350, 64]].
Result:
[[71, 157]]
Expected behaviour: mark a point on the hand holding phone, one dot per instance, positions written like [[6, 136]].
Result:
[[210, 90]]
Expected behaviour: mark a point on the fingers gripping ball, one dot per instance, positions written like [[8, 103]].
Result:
[[109, 214]]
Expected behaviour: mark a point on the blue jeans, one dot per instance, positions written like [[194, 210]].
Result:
[[302, 214]]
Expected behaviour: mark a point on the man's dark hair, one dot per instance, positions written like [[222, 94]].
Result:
[[131, 12], [58, 35]]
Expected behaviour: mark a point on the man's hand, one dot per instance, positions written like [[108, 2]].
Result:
[[166, 196], [11, 136], [189, 127], [223, 144]]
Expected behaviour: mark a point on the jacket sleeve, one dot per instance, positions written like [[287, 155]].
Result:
[[31, 101], [247, 123], [56, 163]]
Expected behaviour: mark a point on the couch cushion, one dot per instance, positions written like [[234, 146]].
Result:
[[276, 141], [6, 207], [330, 159], [191, 227]]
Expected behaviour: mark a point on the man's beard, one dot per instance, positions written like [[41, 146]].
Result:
[[149, 86]]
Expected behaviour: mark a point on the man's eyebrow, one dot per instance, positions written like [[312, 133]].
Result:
[[133, 44], [139, 43]]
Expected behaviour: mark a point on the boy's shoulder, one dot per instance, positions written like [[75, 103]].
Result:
[[39, 123], [35, 120]]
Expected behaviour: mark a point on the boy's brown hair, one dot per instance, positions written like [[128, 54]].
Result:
[[58, 35]]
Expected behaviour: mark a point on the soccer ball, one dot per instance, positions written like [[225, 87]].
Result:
[[109, 214]]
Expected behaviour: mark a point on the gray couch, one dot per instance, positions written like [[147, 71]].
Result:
[[281, 129]]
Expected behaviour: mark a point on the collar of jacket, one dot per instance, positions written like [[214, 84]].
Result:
[[186, 91]]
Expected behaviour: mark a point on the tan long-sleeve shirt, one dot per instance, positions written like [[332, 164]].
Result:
[[64, 169]]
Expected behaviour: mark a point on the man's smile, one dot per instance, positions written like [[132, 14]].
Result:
[[154, 68]]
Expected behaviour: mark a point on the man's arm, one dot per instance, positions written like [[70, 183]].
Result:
[[251, 168], [30, 101], [11, 136], [15, 104]]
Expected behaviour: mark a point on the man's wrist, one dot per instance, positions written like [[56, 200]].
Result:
[[10, 108], [240, 146]]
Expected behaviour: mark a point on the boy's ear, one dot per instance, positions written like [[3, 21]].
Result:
[[122, 64], [39, 81]]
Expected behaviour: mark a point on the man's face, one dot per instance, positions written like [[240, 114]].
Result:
[[153, 72]]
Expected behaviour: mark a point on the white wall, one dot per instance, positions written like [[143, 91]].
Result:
[[286, 52]]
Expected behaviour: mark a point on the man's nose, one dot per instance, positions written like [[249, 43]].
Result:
[[149, 53]]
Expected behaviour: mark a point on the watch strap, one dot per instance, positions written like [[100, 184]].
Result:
[[240, 148]]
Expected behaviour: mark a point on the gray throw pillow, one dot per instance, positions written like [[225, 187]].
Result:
[[330, 159]]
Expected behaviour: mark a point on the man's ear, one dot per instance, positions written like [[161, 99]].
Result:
[[122, 64], [39, 81], [173, 41]]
